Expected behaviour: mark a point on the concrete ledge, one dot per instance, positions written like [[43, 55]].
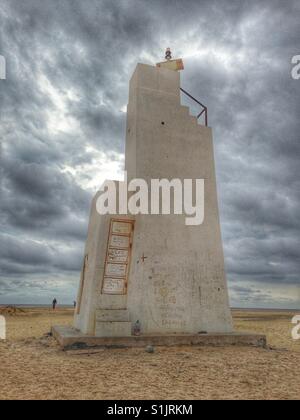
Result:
[[113, 329], [112, 315], [69, 338]]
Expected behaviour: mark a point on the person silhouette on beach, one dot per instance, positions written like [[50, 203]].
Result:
[[54, 303]]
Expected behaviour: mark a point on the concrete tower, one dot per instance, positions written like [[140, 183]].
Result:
[[154, 268]]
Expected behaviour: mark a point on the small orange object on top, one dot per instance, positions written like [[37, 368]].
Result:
[[170, 64]]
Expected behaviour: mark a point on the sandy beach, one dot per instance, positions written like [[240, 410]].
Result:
[[32, 366]]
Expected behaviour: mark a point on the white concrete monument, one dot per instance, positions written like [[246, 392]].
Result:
[[153, 268]]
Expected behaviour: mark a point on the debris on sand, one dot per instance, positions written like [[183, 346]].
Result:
[[11, 310]]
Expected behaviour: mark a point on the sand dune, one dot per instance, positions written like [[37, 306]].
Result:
[[33, 367]]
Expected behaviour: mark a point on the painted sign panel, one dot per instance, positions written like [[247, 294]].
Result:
[[118, 255], [114, 286], [118, 270], [119, 241], [121, 227]]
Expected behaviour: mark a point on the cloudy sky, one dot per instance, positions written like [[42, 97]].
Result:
[[62, 131]]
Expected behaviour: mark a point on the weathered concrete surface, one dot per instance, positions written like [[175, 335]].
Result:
[[69, 338], [181, 286], [92, 300], [113, 329]]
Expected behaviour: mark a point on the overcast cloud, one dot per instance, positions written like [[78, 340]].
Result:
[[62, 131]]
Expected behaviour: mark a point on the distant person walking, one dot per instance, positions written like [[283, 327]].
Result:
[[74, 303], [54, 304]]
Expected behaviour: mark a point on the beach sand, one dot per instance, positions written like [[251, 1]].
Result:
[[32, 366]]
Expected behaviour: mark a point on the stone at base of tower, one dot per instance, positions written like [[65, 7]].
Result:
[[72, 339]]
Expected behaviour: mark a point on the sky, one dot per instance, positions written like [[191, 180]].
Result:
[[62, 131]]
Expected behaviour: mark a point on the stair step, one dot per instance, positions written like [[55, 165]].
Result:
[[112, 315], [113, 329]]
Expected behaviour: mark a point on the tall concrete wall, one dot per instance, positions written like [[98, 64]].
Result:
[[181, 285]]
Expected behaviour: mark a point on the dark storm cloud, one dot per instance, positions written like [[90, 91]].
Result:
[[68, 66], [36, 195], [24, 262]]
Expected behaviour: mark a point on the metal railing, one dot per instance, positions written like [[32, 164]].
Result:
[[204, 108]]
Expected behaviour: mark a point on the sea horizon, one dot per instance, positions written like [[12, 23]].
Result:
[[69, 305]]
